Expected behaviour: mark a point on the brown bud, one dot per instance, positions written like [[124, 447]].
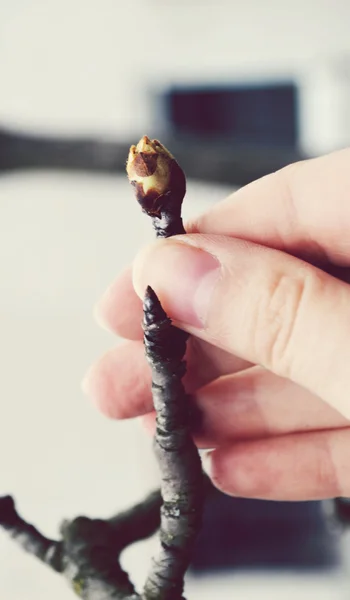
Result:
[[156, 176]]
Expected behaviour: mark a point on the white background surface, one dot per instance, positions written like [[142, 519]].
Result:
[[62, 240]]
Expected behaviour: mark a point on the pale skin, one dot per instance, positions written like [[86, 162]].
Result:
[[261, 283]]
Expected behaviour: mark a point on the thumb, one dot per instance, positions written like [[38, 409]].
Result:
[[261, 304]]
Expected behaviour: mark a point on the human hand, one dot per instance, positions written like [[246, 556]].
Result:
[[260, 281]]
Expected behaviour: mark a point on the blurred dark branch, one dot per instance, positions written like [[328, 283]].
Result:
[[21, 151], [214, 162]]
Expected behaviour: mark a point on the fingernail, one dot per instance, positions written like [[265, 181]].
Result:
[[209, 468], [206, 462], [184, 278]]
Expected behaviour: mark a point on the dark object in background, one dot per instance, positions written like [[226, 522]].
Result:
[[342, 510], [22, 150], [229, 135], [223, 163], [255, 534], [258, 115]]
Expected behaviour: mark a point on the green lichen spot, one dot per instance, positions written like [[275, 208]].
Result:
[[78, 586]]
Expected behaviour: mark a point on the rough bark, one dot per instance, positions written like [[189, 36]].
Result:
[[177, 455]]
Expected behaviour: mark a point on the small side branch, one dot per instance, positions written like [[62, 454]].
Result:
[[28, 537], [88, 554], [137, 523]]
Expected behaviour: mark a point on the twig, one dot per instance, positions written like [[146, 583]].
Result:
[[88, 554], [160, 187]]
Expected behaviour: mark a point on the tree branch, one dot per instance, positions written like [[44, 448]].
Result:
[[160, 187], [88, 554]]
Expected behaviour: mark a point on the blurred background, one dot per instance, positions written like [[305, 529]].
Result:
[[236, 90]]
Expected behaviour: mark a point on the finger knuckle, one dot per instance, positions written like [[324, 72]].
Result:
[[275, 319]]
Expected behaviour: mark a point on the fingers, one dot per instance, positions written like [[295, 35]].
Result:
[[303, 209], [261, 304], [120, 309], [120, 382], [255, 404], [304, 466]]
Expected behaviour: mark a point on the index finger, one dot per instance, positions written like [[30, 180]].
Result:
[[303, 209]]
